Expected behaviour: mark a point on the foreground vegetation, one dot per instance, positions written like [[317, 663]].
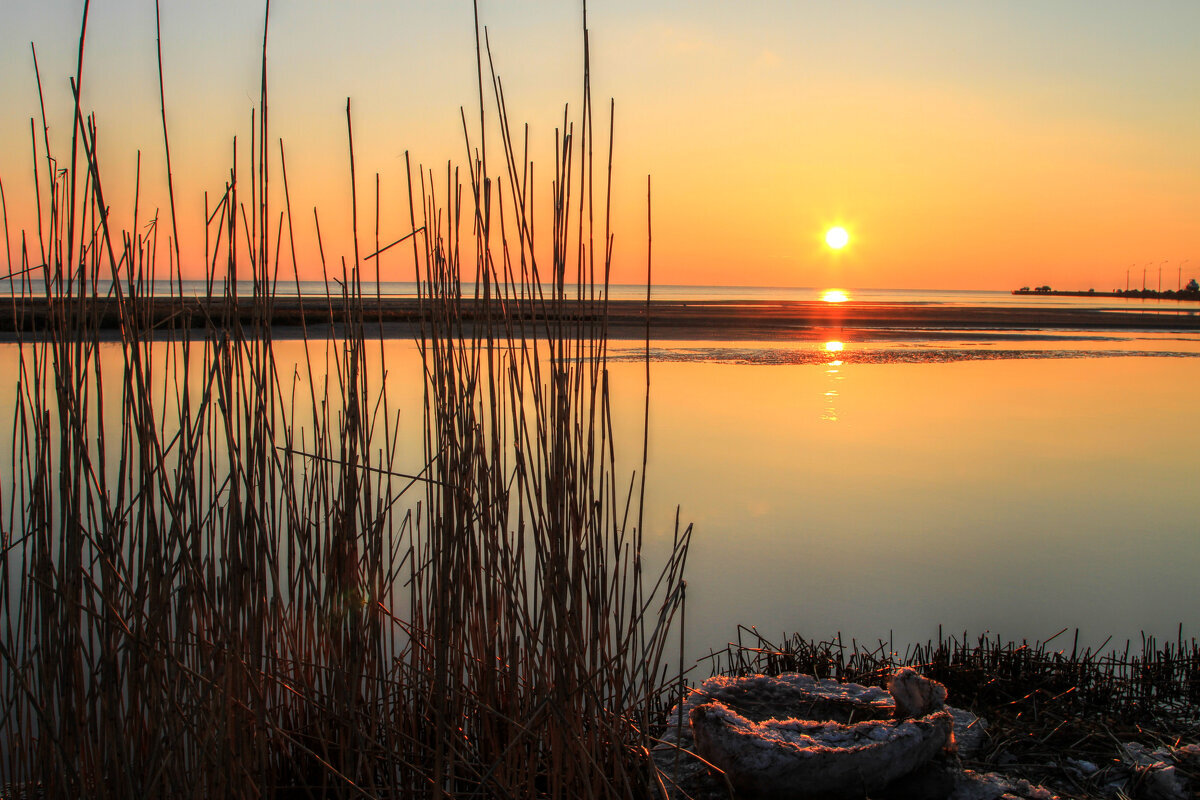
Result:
[[1055, 714], [218, 583]]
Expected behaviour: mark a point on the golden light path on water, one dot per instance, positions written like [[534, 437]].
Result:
[[830, 414], [835, 296]]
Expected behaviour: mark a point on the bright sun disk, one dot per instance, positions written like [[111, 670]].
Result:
[[837, 237]]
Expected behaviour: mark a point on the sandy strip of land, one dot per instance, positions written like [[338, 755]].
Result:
[[678, 320], [768, 320]]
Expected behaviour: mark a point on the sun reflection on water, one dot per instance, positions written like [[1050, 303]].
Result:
[[830, 413], [834, 296]]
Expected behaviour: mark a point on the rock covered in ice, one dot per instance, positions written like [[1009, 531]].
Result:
[[805, 758], [759, 699], [1162, 773], [970, 732], [795, 735], [970, 785], [795, 695], [914, 695]]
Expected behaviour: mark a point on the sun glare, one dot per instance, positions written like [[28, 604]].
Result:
[[834, 296], [834, 347], [837, 237]]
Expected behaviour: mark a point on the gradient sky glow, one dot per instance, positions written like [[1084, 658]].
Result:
[[963, 145]]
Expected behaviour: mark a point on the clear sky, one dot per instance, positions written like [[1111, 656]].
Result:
[[963, 145]]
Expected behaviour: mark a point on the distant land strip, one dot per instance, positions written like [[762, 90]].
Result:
[[759, 355], [1136, 294], [627, 319]]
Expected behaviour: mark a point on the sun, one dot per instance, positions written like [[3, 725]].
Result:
[[837, 237]]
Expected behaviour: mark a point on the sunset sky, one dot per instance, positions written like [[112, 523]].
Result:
[[962, 145]]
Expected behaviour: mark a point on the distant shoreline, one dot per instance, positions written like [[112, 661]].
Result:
[[626, 319], [1136, 294]]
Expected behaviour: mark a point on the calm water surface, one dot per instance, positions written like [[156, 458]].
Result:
[[880, 489], [881, 498]]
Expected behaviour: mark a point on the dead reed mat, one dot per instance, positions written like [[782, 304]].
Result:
[[1049, 705], [217, 581]]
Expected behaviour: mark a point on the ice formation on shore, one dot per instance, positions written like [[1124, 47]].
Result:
[[797, 756], [796, 736]]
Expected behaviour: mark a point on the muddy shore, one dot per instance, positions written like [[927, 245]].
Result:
[[626, 319]]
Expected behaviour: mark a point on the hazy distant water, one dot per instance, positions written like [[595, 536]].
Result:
[[397, 289]]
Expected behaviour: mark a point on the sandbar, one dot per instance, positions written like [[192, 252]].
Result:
[[743, 320]]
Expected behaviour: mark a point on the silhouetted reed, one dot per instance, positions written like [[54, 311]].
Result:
[[215, 583]]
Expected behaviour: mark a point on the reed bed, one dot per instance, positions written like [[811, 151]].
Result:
[[1159, 679], [217, 579]]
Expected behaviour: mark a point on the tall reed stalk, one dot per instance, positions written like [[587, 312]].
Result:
[[214, 582]]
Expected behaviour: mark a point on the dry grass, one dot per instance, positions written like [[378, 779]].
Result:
[[217, 583]]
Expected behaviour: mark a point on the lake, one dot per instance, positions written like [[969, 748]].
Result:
[[1008, 482], [1017, 495]]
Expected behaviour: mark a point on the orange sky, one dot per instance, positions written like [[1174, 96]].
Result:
[[966, 147]]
